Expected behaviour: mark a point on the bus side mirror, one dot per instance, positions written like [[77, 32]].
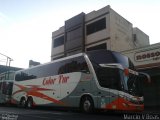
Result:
[[147, 76]]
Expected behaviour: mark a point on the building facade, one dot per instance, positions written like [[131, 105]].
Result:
[[101, 29], [147, 59]]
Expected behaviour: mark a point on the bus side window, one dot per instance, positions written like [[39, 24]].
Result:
[[18, 76], [84, 68], [82, 65], [109, 78], [77, 64], [74, 65]]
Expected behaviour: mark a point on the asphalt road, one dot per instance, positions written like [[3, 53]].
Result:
[[14, 113]]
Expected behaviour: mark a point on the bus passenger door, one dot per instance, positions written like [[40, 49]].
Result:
[[108, 98], [103, 98]]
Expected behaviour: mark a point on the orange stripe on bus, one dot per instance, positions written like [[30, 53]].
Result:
[[122, 104], [34, 91]]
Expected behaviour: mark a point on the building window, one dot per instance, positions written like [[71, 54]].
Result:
[[134, 37], [96, 26], [98, 47], [58, 41]]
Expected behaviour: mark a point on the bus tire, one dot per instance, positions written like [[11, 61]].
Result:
[[87, 104], [29, 103], [22, 102]]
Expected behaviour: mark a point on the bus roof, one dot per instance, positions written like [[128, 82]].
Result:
[[69, 57], [54, 61]]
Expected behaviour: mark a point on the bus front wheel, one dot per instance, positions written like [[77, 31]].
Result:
[[87, 104]]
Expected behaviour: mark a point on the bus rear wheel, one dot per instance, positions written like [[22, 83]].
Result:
[[22, 102], [87, 104], [29, 103]]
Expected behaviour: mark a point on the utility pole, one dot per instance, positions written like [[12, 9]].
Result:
[[8, 62]]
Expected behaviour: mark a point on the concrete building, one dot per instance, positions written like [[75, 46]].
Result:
[[140, 39], [33, 63], [101, 29], [145, 57]]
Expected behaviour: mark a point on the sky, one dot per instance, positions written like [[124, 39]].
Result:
[[26, 26]]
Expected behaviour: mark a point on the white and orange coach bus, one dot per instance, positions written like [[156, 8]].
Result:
[[98, 79]]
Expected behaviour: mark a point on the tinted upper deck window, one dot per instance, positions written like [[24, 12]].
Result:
[[77, 64]]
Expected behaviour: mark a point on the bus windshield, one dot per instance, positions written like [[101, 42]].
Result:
[[109, 74], [109, 57]]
